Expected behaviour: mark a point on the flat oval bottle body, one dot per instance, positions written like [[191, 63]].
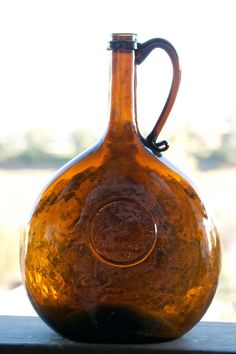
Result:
[[120, 249]]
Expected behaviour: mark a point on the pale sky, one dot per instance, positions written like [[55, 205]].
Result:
[[54, 63]]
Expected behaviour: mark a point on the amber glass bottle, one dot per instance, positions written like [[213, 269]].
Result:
[[119, 247]]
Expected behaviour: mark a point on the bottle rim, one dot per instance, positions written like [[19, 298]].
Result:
[[124, 37], [123, 41]]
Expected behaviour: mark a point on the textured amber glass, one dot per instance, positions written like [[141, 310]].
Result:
[[119, 247]]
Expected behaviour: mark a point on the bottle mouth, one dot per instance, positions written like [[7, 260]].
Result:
[[123, 41], [124, 37]]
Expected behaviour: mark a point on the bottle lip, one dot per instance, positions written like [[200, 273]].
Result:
[[123, 41], [124, 36]]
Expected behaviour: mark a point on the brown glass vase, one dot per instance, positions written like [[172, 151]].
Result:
[[119, 247]]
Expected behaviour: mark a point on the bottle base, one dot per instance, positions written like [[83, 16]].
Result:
[[110, 324]]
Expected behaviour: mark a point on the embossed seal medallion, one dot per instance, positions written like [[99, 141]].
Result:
[[122, 233]]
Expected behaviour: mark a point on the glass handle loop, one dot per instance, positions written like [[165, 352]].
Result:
[[141, 54]]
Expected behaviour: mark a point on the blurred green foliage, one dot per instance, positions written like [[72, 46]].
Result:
[[37, 149], [221, 154]]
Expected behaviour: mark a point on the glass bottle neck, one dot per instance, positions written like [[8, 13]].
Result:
[[122, 100]]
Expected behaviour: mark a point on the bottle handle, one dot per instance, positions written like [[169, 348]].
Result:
[[141, 53]]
